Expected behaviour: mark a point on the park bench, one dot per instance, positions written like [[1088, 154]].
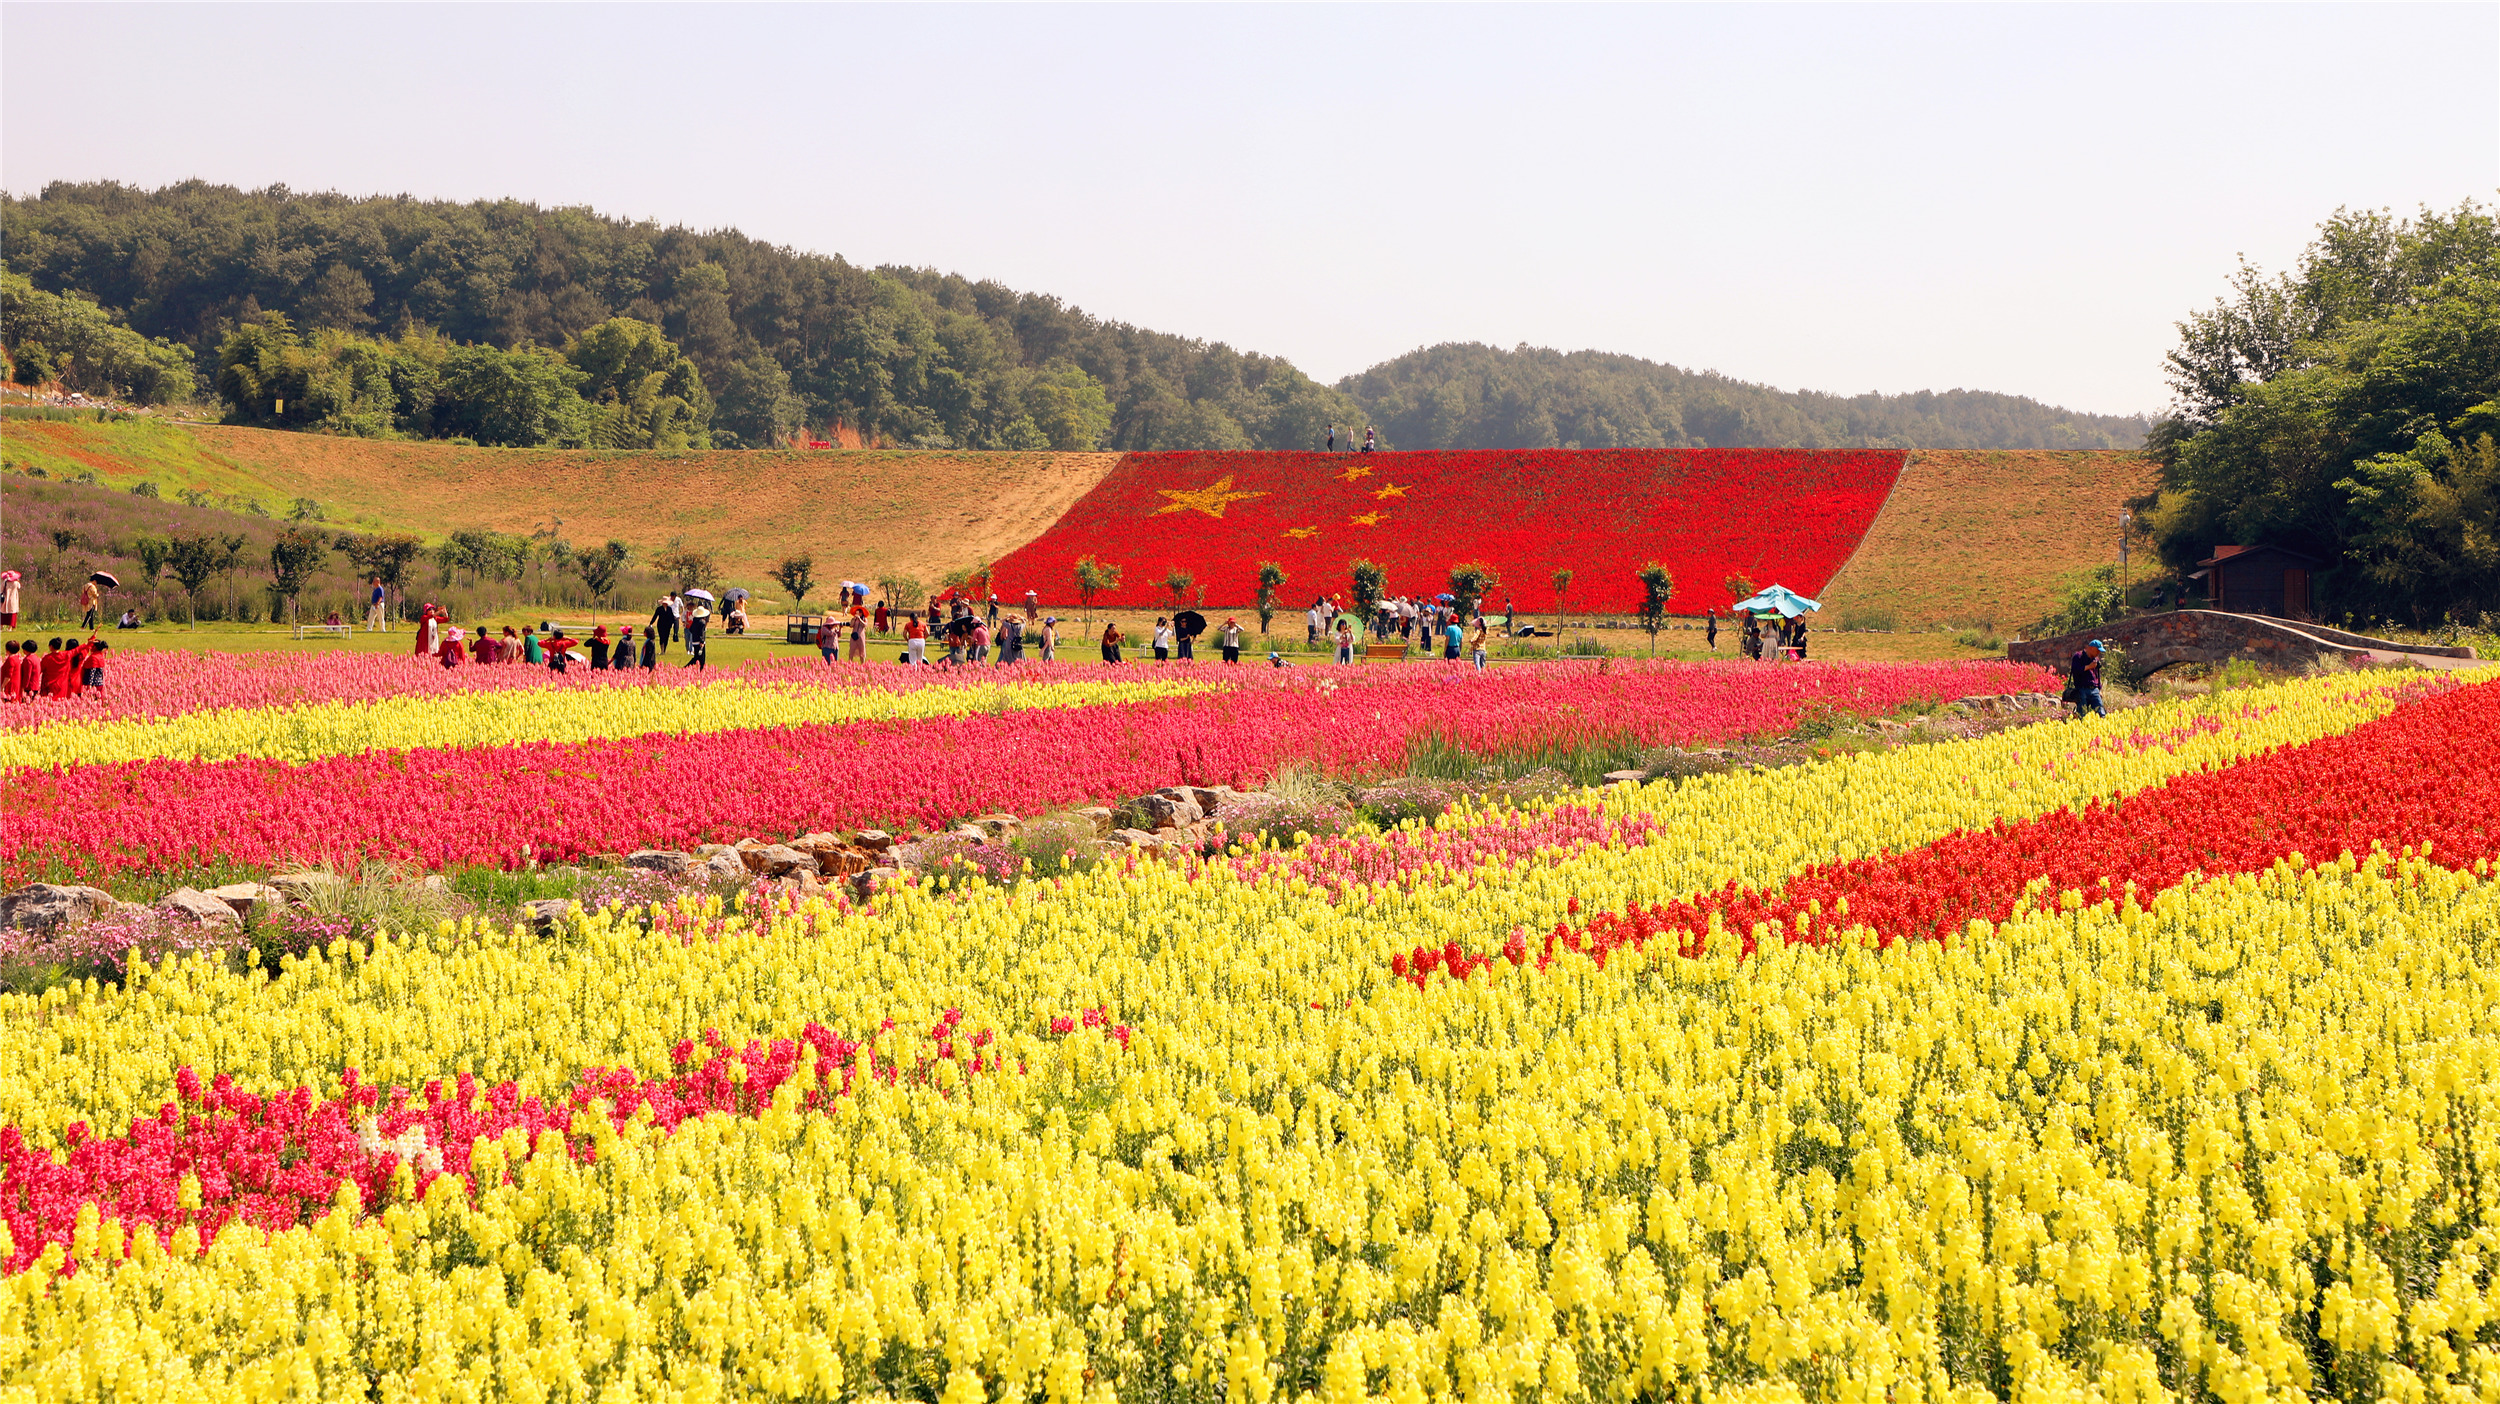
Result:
[[1384, 652], [335, 631]]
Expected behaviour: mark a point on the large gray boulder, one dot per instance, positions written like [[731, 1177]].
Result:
[[719, 863], [548, 913], [249, 898], [1165, 811], [191, 904], [667, 862], [776, 860], [42, 904]]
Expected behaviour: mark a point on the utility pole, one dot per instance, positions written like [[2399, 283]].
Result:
[[2126, 520]]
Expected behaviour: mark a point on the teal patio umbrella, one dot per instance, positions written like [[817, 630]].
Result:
[[1780, 598]]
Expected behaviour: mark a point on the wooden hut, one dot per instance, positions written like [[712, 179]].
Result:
[[2268, 580]]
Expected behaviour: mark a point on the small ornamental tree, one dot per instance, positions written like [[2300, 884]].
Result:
[[598, 569], [194, 560], [1092, 578], [796, 574], [1177, 583], [1371, 586], [1470, 582], [1561, 580], [153, 551], [293, 558], [687, 566], [904, 592], [385, 557], [1739, 587], [1657, 587], [1271, 579]]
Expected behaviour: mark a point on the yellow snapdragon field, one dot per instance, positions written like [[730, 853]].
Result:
[[1833, 1083]]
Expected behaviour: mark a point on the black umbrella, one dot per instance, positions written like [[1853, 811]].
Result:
[[106, 579], [1190, 622]]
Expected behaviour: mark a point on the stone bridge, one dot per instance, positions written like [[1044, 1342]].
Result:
[[2155, 641]]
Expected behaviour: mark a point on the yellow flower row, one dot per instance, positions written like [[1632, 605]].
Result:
[[2234, 1146], [2090, 1154], [310, 731]]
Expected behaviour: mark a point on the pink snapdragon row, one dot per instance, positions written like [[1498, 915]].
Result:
[[508, 805]]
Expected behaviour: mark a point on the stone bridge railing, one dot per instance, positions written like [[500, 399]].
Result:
[[2155, 641]]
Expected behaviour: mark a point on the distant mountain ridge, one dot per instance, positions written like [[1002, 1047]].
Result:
[[793, 343], [1468, 395]]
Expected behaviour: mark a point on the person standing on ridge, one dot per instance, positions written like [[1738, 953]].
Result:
[[374, 611]]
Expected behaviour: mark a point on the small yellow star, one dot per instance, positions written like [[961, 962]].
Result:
[[1351, 474], [1302, 533], [1210, 499], [1388, 490], [1369, 519]]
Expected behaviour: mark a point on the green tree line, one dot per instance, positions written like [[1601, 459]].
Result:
[[2348, 409], [785, 340]]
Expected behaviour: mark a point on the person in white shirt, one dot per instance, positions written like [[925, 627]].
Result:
[[1163, 639]]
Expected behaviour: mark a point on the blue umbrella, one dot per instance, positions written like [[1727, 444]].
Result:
[[1781, 598]]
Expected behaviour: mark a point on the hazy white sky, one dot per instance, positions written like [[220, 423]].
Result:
[[2019, 198]]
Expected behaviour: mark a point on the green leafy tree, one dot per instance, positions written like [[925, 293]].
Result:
[[1561, 581], [1271, 579], [307, 510], [903, 591], [293, 558], [87, 347], [599, 568], [2336, 410], [640, 391], [1739, 586], [685, 565], [1176, 583], [1069, 408], [1470, 582], [1371, 585], [31, 364], [194, 560], [1092, 578], [153, 552], [1657, 588], [517, 399], [796, 574], [385, 556], [757, 408]]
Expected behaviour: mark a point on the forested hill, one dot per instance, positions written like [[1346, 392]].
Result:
[[786, 340], [1472, 396]]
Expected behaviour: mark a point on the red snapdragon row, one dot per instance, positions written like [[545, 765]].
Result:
[[274, 1162], [2420, 778], [548, 801], [1785, 515]]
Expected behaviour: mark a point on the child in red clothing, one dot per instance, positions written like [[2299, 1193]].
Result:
[[12, 675], [57, 675]]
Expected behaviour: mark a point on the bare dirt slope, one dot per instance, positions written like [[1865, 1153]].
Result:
[[861, 514], [1986, 537]]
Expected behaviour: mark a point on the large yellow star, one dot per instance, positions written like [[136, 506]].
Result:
[[1210, 499], [1351, 474], [1388, 490], [1369, 519], [1302, 533]]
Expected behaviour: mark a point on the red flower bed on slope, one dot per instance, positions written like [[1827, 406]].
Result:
[[558, 801], [2415, 778], [1789, 516]]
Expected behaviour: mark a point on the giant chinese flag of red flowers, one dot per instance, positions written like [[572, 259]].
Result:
[[1790, 516]]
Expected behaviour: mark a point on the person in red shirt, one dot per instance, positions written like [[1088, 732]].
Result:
[[79, 658], [56, 671], [451, 648], [12, 675]]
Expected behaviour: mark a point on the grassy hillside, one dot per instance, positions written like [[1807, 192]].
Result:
[[861, 514], [1986, 538], [1966, 538]]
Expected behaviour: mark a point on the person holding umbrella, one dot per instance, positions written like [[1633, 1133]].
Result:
[[698, 623], [8, 599], [1189, 624], [91, 599]]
